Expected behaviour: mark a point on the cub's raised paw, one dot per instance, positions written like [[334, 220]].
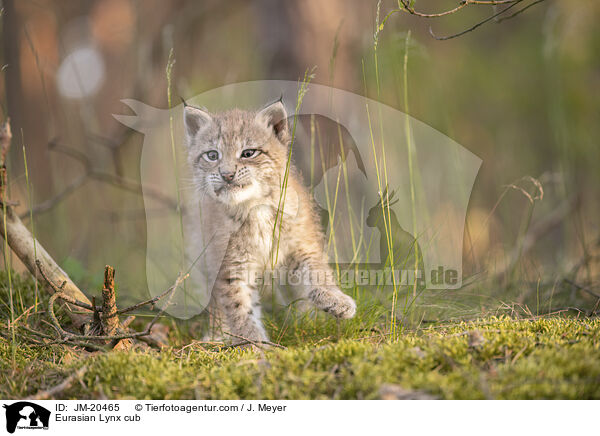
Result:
[[333, 301]]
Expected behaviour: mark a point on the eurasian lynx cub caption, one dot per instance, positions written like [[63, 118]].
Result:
[[238, 162]]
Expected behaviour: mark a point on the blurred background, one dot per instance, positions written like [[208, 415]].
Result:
[[522, 94]]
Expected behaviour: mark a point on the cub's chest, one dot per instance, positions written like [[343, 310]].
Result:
[[257, 230], [259, 238]]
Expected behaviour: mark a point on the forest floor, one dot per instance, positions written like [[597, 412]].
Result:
[[487, 358]]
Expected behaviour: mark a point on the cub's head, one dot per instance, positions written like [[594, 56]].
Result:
[[237, 156]]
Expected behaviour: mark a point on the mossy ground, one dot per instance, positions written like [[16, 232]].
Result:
[[548, 357]]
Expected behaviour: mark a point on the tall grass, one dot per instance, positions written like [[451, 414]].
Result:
[[410, 153], [331, 209], [169, 74], [384, 202], [8, 268], [302, 89], [30, 204]]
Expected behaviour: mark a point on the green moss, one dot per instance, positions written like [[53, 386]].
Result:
[[546, 358], [556, 357]]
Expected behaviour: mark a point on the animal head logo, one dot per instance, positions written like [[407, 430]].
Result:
[[24, 414], [392, 191]]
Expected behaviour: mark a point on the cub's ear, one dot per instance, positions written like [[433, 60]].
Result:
[[194, 120], [274, 117]]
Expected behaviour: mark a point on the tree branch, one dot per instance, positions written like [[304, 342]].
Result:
[[475, 26], [405, 6], [90, 173], [25, 246]]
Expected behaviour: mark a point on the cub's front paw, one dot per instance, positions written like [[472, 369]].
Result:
[[333, 301]]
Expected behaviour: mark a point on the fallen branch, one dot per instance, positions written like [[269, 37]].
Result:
[[25, 246], [98, 323], [65, 384], [113, 332]]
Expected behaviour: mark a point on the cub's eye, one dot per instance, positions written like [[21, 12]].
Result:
[[211, 155], [249, 153]]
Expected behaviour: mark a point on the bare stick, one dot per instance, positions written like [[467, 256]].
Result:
[[151, 300], [412, 11], [405, 6], [67, 336], [109, 319], [520, 11], [100, 308], [250, 341], [475, 26], [65, 384]]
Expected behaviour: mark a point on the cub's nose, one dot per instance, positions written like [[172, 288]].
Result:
[[228, 176]]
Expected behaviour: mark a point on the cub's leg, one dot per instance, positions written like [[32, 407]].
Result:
[[313, 277], [216, 322], [239, 303]]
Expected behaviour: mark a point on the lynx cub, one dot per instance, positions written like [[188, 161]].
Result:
[[238, 162]]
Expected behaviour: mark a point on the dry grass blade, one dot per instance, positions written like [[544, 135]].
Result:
[[539, 195]]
